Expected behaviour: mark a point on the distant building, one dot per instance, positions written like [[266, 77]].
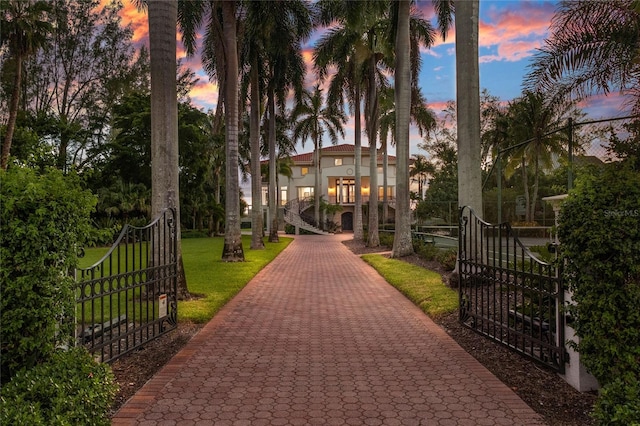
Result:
[[337, 183]]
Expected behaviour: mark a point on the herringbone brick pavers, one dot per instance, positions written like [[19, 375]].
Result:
[[318, 337]]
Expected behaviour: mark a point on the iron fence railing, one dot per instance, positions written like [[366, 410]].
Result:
[[129, 297], [507, 294]]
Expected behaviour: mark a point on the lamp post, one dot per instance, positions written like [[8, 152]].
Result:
[[556, 203]]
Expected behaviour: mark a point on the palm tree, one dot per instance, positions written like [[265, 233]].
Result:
[[253, 49], [220, 60], [312, 120], [467, 96], [381, 43], [232, 251], [402, 244], [23, 30], [468, 102], [358, 43], [421, 169], [165, 193], [419, 115], [338, 49], [360, 37], [593, 47], [287, 25], [533, 116], [164, 135]]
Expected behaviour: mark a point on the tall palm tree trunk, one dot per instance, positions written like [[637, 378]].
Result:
[[358, 232], [468, 103], [385, 179], [13, 114], [402, 244], [232, 251], [372, 130], [273, 169], [318, 181], [525, 185], [536, 182], [165, 186], [256, 178]]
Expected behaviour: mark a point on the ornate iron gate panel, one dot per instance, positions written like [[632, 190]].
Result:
[[129, 296], [507, 294]]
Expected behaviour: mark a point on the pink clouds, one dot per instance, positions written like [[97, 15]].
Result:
[[510, 30], [515, 33], [438, 107], [137, 19], [205, 93], [607, 106]]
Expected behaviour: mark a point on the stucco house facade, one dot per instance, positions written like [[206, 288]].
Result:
[[337, 183]]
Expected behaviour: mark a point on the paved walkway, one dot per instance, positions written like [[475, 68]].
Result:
[[318, 337]]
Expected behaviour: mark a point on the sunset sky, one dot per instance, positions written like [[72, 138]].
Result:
[[510, 32]]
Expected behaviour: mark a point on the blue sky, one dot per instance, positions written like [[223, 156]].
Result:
[[510, 32]]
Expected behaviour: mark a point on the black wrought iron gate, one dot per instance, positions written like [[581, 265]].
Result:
[[507, 294], [129, 296]]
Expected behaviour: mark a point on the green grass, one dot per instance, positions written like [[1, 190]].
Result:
[[423, 287], [219, 281], [214, 281]]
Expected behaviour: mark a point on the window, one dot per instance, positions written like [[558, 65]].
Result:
[[389, 192], [283, 195], [304, 170], [305, 192], [337, 161]]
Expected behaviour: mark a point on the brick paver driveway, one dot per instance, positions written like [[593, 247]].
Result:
[[318, 337]]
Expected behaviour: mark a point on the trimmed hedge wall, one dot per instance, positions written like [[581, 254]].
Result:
[[600, 232], [44, 219]]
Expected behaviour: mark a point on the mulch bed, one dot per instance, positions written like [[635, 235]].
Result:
[[542, 389]]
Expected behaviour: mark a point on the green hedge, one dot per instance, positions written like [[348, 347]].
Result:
[[69, 389], [600, 233], [44, 220]]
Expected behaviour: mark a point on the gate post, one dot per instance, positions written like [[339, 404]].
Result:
[[575, 372]]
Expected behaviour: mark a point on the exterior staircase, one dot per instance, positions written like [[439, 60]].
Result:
[[292, 216]]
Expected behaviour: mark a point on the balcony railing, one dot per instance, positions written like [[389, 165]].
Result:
[[352, 200]]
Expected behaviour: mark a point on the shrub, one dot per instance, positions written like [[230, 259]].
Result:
[[447, 258], [291, 230], [600, 233], [386, 239], [426, 250], [193, 233], [43, 220], [542, 253], [69, 389]]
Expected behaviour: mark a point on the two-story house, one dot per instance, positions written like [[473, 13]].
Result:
[[337, 183]]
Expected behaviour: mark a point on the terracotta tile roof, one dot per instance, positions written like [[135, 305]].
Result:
[[344, 148]]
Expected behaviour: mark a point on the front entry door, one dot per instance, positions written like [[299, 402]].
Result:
[[347, 221]]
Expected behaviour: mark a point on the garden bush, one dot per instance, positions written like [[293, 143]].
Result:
[[425, 250], [447, 258], [43, 220], [291, 230], [69, 389], [600, 234], [386, 239]]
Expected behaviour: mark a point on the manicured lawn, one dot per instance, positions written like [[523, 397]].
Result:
[[213, 281], [424, 288], [219, 281]]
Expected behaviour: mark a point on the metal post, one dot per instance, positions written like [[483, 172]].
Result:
[[499, 179], [570, 148]]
